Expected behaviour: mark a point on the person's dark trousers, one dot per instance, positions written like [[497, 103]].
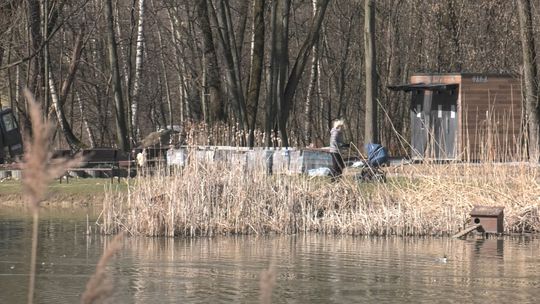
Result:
[[337, 164]]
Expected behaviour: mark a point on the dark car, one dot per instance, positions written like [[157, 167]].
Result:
[[10, 136]]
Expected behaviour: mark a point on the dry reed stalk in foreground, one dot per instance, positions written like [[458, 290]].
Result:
[[99, 287], [38, 172], [266, 284]]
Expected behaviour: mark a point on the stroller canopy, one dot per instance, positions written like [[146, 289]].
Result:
[[377, 154]]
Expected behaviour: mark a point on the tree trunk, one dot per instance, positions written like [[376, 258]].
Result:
[[164, 71], [243, 13], [228, 45], [59, 99], [91, 137], [312, 88], [272, 78], [46, 68], [216, 107], [344, 68], [72, 140], [121, 128], [35, 40], [179, 64], [370, 133], [282, 67], [530, 77], [298, 70], [139, 56], [257, 60], [124, 58]]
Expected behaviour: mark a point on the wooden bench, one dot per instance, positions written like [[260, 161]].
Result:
[[97, 161]]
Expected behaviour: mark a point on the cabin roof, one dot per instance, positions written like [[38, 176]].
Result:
[[486, 211], [468, 74], [424, 86]]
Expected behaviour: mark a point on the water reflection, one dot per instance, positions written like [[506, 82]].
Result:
[[489, 247], [308, 268]]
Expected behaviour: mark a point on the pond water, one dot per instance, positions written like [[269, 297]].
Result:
[[307, 268]]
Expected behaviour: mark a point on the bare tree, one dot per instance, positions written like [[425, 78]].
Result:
[[312, 88], [255, 75], [139, 57], [35, 40], [298, 69], [212, 81], [530, 77], [121, 129], [227, 41], [371, 131], [58, 99], [201, 65]]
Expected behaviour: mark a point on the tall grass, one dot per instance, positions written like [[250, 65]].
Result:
[[429, 199], [39, 170]]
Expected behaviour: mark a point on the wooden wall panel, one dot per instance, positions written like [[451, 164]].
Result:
[[489, 112], [492, 117]]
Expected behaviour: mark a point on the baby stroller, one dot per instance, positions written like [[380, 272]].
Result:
[[371, 168]]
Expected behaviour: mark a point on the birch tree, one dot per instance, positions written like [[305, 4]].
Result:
[[58, 98], [139, 57]]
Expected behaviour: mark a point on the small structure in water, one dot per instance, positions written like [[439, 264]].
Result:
[[485, 219], [491, 218]]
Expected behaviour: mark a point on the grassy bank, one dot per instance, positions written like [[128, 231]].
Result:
[[78, 192], [417, 200]]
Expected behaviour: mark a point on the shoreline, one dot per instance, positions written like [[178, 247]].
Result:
[[60, 201], [80, 205]]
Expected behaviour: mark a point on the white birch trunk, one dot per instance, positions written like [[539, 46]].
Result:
[[91, 137], [138, 72], [55, 102]]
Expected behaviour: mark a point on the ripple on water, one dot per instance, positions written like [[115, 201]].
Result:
[[308, 268]]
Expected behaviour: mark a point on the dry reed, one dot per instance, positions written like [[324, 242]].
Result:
[[99, 287], [266, 285], [38, 171], [429, 199], [208, 197]]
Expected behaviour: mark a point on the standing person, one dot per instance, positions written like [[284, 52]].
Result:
[[336, 142], [141, 161]]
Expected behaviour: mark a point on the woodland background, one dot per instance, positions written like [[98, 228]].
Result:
[[112, 71]]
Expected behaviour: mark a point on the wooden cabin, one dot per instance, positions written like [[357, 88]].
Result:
[[465, 116]]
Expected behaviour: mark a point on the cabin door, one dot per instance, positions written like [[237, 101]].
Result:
[[420, 105], [443, 117]]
